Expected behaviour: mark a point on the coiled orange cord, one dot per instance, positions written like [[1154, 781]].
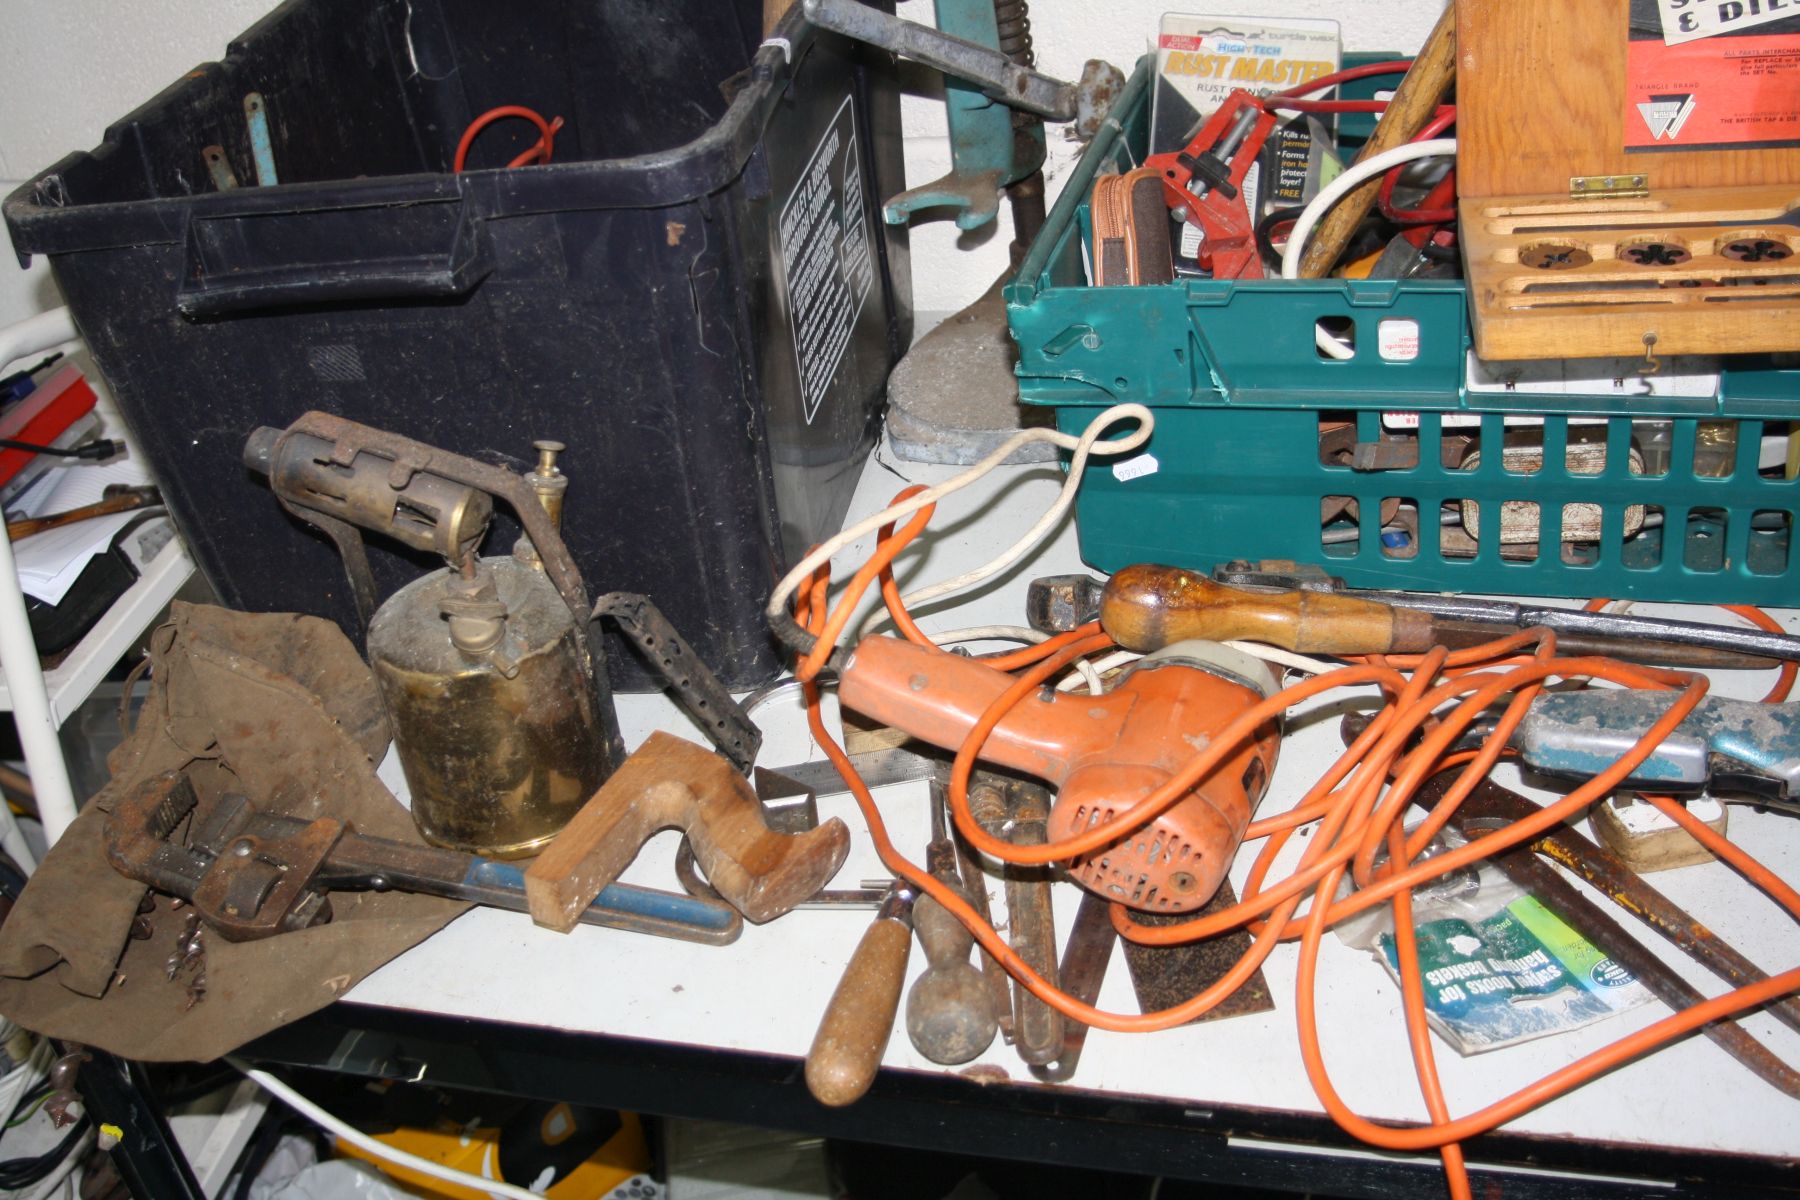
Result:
[[538, 152], [1357, 805]]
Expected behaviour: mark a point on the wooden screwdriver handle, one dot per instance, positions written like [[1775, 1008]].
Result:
[[853, 1034], [1148, 607], [1414, 102]]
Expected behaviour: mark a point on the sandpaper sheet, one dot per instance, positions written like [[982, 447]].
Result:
[[1165, 976]]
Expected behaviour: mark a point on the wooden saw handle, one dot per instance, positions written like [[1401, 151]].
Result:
[[1145, 608], [673, 783], [1414, 102]]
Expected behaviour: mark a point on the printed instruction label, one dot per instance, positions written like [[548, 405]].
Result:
[[1691, 20], [1519, 974], [1730, 80], [827, 257], [1201, 60], [1397, 339]]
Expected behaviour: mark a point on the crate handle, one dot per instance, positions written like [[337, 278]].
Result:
[[1075, 335], [237, 262]]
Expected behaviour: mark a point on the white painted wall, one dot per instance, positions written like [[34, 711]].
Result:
[[68, 67]]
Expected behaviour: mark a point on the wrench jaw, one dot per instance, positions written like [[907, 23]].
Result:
[[244, 885], [138, 831], [259, 887]]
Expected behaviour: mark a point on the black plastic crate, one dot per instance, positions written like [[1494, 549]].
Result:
[[631, 299]]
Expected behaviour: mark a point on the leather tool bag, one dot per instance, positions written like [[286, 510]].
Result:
[[1131, 229], [274, 706]]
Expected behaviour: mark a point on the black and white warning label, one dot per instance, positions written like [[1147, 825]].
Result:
[[827, 257]]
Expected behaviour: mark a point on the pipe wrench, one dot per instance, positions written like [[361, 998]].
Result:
[[253, 875]]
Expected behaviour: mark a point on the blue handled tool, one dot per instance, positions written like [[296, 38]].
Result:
[[1723, 745], [253, 875]]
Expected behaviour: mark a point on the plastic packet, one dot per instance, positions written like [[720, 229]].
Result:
[[1498, 966]]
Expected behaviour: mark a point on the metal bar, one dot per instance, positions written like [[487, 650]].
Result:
[[394, 865], [1614, 625], [1023, 819], [149, 1159], [695, 686], [1083, 970], [262, 149], [878, 768], [996, 74], [1626, 888]]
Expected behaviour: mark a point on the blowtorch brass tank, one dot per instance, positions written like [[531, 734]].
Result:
[[497, 762]]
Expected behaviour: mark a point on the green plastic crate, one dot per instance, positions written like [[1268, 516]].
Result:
[[1240, 391]]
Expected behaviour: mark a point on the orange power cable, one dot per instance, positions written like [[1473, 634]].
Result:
[[1358, 805]]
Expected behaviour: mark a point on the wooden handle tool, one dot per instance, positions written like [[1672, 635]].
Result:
[[123, 501], [1414, 103], [1146, 607], [949, 1010], [671, 783], [853, 1035]]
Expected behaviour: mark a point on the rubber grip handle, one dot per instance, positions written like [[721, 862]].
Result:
[[853, 1035], [1147, 607]]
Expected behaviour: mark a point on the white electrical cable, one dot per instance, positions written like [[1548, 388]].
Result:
[[989, 633], [1095, 669], [1285, 658], [356, 1137], [1332, 347], [1081, 447], [1340, 187], [1088, 443], [1272, 654], [64, 1172], [1013, 633]]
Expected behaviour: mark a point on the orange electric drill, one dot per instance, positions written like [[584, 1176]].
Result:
[[1103, 753]]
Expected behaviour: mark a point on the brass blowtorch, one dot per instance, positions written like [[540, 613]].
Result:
[[503, 725], [495, 685]]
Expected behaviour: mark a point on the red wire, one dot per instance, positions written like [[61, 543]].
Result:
[[1432, 211], [1398, 66], [1326, 106], [539, 151]]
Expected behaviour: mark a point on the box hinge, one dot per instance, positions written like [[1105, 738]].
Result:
[[1610, 187]]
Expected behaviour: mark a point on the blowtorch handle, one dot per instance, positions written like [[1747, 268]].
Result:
[[1147, 607], [853, 1034]]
